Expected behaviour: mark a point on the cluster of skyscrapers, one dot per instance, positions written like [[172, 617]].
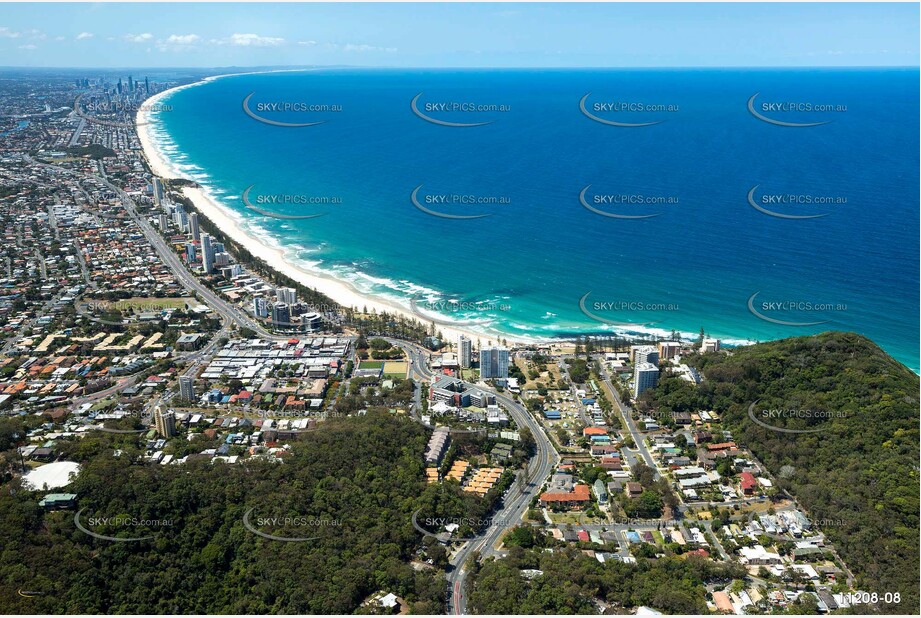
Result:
[[493, 361], [213, 254], [132, 85], [284, 309]]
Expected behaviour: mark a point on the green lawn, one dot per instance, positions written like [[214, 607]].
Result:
[[471, 375]]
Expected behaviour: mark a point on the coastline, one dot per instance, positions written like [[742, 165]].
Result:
[[339, 291]]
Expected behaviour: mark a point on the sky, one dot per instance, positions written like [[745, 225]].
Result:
[[459, 35]]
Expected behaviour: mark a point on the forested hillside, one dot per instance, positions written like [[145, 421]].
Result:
[[354, 484], [858, 475]]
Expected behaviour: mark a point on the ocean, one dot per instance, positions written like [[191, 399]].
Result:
[[739, 223]]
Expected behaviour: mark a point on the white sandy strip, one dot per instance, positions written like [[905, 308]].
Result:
[[339, 291]]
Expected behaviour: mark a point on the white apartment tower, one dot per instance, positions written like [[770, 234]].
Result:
[[494, 363], [193, 226], [464, 352], [645, 376], [207, 253]]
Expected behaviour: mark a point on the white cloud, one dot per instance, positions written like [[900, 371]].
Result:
[[35, 33], [84, 35], [183, 39], [29, 46], [252, 40], [307, 43], [60, 38], [6, 33], [139, 38], [178, 42]]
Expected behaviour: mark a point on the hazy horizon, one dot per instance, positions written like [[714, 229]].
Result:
[[480, 35]]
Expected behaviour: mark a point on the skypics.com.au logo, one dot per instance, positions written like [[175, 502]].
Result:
[[770, 418], [288, 528], [613, 312], [259, 203], [107, 113], [599, 202], [272, 112], [465, 527], [768, 203], [423, 309], [605, 112], [437, 203], [122, 523], [429, 111], [146, 417], [791, 308], [771, 112]]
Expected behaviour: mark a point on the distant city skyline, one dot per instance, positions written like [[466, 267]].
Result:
[[104, 35]]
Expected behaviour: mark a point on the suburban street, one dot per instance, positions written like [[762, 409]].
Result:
[[626, 413], [172, 260]]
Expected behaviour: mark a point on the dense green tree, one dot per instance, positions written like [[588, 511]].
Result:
[[856, 470], [351, 487]]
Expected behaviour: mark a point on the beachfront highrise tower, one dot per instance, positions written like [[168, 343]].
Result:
[[158, 191], [286, 295], [260, 307], [193, 226], [645, 376], [644, 354], [281, 315], [494, 363], [464, 352], [207, 253]]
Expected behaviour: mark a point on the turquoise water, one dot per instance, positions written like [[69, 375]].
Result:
[[540, 251], [22, 124]]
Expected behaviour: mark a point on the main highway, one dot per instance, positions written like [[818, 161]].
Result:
[[229, 313], [171, 259], [517, 499]]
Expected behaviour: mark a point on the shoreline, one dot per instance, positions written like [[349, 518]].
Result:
[[337, 290]]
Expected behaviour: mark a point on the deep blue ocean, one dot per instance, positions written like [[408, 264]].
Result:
[[695, 264]]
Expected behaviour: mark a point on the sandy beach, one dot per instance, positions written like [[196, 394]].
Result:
[[339, 291]]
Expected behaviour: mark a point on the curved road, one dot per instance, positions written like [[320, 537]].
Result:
[[518, 497], [516, 503]]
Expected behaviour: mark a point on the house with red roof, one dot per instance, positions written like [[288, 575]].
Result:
[[579, 497], [612, 463], [748, 483]]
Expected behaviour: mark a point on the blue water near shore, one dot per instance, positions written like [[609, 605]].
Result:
[[696, 264]]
